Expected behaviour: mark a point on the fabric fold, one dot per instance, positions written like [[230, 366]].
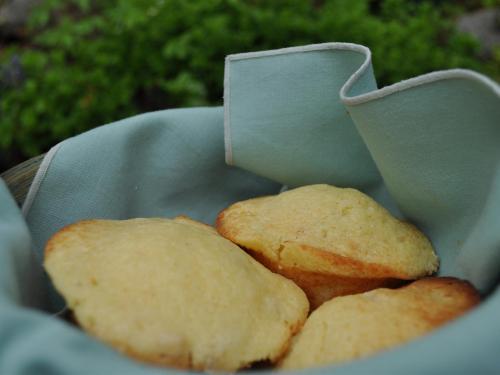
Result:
[[426, 148], [428, 145], [284, 119]]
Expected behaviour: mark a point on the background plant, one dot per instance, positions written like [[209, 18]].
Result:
[[84, 63]]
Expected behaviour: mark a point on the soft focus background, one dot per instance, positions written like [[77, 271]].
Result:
[[70, 65]]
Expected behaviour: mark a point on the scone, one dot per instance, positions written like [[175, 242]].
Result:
[[356, 326], [174, 293], [330, 241]]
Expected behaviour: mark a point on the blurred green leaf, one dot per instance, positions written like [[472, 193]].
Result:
[[89, 62]]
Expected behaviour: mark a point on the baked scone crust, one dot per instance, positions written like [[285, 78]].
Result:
[[352, 327], [174, 293], [331, 241]]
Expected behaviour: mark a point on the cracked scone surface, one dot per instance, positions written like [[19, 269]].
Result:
[[331, 241], [356, 326], [173, 293]]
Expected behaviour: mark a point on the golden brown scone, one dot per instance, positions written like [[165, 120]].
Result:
[[174, 292], [187, 220], [330, 241], [356, 326]]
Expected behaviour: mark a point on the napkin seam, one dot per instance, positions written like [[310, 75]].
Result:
[[309, 48], [346, 100], [227, 129], [39, 177], [411, 83], [282, 51]]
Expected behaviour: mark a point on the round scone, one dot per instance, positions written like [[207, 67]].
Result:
[[331, 241], [173, 293], [356, 326]]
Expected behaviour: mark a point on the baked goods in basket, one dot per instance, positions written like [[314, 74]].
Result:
[[359, 325], [174, 292], [330, 241]]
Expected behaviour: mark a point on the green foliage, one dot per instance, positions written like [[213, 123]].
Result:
[[91, 62]]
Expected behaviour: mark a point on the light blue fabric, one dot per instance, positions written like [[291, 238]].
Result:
[[163, 163], [18, 267], [158, 164], [312, 115], [431, 147], [288, 123], [437, 146]]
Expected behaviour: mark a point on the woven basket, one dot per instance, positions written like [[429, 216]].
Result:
[[20, 177]]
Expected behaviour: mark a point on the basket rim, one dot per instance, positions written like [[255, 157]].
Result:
[[20, 177]]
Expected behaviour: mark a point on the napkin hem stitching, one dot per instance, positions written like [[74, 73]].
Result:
[[308, 48], [227, 127], [39, 177], [411, 83], [361, 98], [282, 51]]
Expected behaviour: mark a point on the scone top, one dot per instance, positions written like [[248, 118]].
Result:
[[325, 230], [173, 293], [361, 325]]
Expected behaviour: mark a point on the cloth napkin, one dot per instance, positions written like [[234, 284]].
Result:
[[426, 148]]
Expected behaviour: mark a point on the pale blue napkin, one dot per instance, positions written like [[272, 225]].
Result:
[[427, 148], [312, 114]]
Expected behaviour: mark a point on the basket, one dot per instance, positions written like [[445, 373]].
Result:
[[426, 148], [20, 177]]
